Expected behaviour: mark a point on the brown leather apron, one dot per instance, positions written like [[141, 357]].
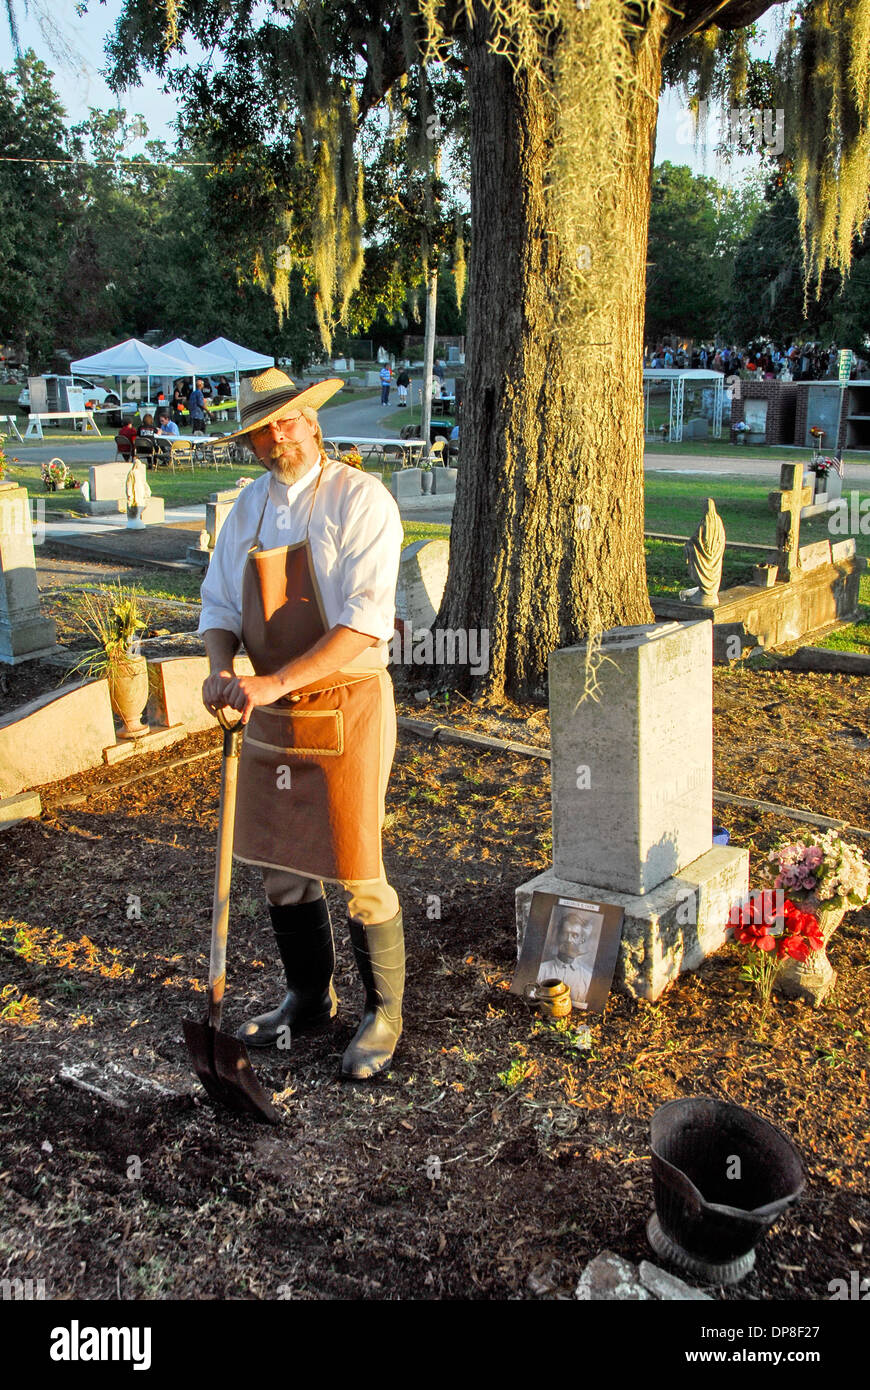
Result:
[[310, 776]]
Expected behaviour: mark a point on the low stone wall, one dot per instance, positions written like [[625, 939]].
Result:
[[55, 736], [72, 730], [778, 616]]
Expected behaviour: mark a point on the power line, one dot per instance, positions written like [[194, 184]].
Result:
[[113, 163]]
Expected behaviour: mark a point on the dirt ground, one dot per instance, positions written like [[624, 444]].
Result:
[[498, 1156]]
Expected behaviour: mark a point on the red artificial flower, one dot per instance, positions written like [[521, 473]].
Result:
[[795, 946]]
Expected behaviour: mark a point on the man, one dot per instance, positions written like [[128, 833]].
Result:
[[386, 378], [578, 942], [196, 406], [166, 426], [304, 573]]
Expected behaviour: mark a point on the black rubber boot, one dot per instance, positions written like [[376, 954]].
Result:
[[304, 936], [380, 957]]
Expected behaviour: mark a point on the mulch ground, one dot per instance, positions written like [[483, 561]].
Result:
[[498, 1156]]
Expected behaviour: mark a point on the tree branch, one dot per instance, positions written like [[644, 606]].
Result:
[[724, 14]]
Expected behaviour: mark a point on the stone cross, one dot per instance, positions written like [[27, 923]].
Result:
[[793, 496]]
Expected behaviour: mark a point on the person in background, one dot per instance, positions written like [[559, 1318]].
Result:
[[147, 426], [439, 369], [177, 403], [403, 381], [207, 388], [196, 406], [224, 389], [166, 426], [386, 377], [128, 431]]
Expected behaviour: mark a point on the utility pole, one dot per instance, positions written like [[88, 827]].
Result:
[[429, 345], [431, 305]]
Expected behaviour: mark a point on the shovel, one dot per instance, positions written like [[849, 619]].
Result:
[[221, 1062]]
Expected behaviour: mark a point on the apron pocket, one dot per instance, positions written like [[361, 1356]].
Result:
[[307, 731]]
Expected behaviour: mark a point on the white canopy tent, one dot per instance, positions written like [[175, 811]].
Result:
[[242, 358], [204, 362], [237, 359], [677, 379], [133, 358]]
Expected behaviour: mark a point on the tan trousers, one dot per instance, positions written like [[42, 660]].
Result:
[[370, 902]]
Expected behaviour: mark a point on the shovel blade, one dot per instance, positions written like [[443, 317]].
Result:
[[224, 1068]]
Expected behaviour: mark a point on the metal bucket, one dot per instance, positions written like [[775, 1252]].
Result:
[[721, 1177]]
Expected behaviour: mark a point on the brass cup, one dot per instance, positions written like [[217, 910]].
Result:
[[552, 997]]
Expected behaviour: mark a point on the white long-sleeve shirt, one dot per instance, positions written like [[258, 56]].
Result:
[[356, 540]]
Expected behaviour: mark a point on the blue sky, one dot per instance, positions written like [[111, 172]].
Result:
[[80, 85]]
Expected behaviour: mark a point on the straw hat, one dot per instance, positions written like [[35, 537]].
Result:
[[272, 394]]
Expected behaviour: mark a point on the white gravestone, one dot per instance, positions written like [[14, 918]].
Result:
[[24, 633], [217, 509], [445, 480], [422, 577], [632, 800], [406, 484], [107, 490]]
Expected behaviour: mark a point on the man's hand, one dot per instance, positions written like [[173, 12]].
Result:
[[214, 690], [245, 693]]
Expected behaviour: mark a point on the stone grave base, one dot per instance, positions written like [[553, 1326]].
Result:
[[664, 932], [773, 617], [28, 641], [153, 514]]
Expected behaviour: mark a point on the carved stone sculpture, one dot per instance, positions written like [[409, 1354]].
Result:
[[705, 551]]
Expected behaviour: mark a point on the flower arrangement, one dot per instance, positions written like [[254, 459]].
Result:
[[54, 475], [752, 926], [114, 618], [823, 466], [817, 432], [353, 457], [824, 868]]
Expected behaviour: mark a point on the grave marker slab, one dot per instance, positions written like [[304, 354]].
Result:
[[24, 633], [644, 749], [445, 480], [812, 557], [406, 484], [422, 577], [632, 796]]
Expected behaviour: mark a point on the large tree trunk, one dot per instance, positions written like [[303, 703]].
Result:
[[547, 537]]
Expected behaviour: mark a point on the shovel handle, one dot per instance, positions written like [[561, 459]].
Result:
[[220, 916]]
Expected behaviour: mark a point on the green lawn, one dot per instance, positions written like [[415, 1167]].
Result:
[[675, 505]]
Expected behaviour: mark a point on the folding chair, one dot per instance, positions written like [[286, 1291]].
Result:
[[143, 448], [124, 449], [182, 452], [436, 453]]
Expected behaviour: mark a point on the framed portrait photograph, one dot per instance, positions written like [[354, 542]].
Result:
[[573, 941]]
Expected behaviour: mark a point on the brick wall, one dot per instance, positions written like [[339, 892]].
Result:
[[782, 401]]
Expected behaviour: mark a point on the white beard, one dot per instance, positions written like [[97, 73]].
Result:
[[288, 464]]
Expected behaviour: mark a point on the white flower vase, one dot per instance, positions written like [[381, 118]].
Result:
[[812, 979]]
